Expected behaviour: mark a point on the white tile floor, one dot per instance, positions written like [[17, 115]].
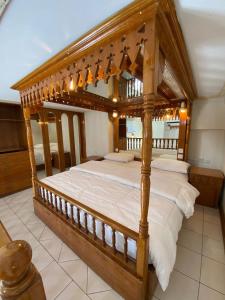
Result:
[[199, 272]]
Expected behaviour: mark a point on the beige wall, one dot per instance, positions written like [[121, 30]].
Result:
[[207, 139], [99, 133]]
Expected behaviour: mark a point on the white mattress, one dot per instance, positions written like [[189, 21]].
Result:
[[121, 203]]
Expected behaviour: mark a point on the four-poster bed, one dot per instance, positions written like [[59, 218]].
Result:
[[141, 38]]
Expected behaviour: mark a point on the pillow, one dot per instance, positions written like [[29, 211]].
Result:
[[170, 165], [137, 153], [121, 157], [38, 146]]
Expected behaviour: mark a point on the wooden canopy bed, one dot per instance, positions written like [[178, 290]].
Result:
[[142, 38]]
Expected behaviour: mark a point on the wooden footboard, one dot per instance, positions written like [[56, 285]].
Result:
[[78, 226]]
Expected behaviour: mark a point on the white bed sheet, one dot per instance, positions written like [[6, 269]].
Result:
[[122, 203]]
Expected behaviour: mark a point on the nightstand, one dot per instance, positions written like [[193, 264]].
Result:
[[209, 183], [94, 157]]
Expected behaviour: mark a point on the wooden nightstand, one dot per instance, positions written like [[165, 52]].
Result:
[[55, 160], [209, 182], [94, 157]]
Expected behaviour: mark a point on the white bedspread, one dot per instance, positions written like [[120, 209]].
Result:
[[171, 186], [121, 202]]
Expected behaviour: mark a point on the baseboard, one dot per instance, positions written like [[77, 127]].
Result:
[[222, 219]]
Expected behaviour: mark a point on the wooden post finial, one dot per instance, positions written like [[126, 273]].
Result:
[[15, 258], [19, 279]]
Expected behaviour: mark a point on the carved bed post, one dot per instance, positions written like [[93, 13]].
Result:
[[115, 134], [182, 136], [82, 135], [72, 140], [26, 113], [189, 111], [150, 81], [45, 140], [60, 141]]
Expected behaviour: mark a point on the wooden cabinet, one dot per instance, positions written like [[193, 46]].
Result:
[[12, 128], [209, 182], [55, 160], [15, 172]]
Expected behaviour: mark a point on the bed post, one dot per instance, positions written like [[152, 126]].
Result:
[[150, 70], [59, 134], [82, 135], [189, 111], [26, 113], [45, 140], [72, 139]]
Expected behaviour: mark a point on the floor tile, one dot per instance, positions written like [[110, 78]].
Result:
[[72, 292], [199, 208], [47, 234], [180, 287], [16, 230], [191, 240], [53, 247], [213, 249], [206, 293], [41, 258], [213, 231], [215, 219], [29, 238], [77, 270], [95, 283], [213, 274], [193, 224], [55, 280], [188, 262], [109, 295], [211, 211], [36, 228], [198, 214], [67, 254]]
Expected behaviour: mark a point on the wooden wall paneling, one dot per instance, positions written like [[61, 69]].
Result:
[[82, 137], [150, 63], [45, 139], [72, 140], [60, 141]]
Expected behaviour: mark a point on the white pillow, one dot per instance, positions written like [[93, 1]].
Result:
[[170, 165], [38, 146], [122, 157], [137, 153]]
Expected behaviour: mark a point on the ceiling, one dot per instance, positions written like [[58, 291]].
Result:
[[33, 31]]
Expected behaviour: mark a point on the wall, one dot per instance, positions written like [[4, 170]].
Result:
[[99, 133], [207, 138], [98, 127], [36, 132]]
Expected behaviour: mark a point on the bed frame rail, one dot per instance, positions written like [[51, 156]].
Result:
[[85, 230], [97, 228]]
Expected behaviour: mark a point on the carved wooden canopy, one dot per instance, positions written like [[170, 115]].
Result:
[[107, 50]]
